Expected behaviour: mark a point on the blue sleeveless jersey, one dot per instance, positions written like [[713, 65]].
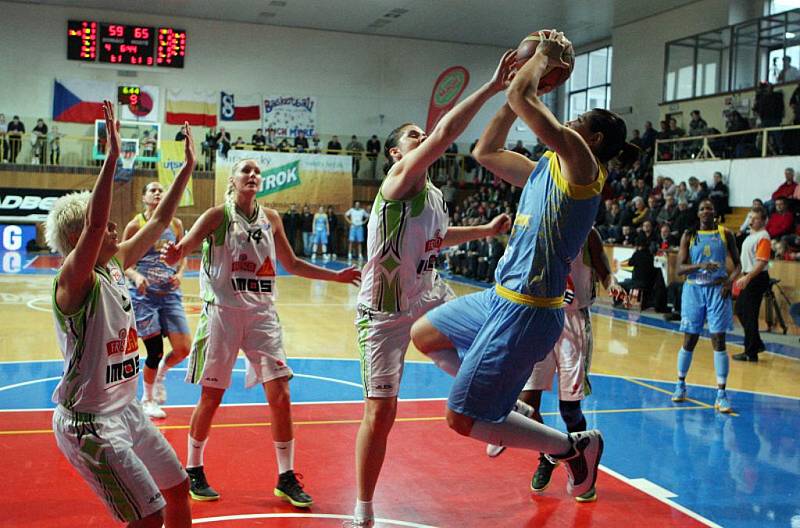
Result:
[[708, 246], [552, 222], [320, 223], [151, 266]]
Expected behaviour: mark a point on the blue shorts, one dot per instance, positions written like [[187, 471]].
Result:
[[699, 303], [320, 237], [356, 233], [498, 342], [159, 314]]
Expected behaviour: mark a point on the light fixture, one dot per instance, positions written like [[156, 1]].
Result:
[[790, 35]]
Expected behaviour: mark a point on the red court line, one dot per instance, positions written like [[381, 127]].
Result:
[[431, 476]]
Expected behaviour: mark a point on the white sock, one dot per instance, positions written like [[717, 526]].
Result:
[[162, 371], [446, 359], [522, 432], [363, 510], [524, 409], [196, 448], [284, 453], [148, 391]]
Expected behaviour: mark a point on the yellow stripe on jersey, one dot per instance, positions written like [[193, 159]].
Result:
[[529, 300], [573, 190]]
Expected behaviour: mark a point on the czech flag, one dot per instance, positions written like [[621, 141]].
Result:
[[80, 101], [241, 108], [198, 108]]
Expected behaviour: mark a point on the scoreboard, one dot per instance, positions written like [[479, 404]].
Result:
[[91, 41]]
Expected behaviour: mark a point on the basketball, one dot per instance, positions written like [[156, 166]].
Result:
[[556, 76]]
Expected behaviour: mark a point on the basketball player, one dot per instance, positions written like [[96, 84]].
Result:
[[407, 227], [356, 217], [158, 304], [491, 340], [98, 423], [572, 355], [241, 240], [706, 296], [321, 233]]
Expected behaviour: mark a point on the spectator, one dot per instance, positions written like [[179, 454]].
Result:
[[271, 140], [291, 225], [611, 228], [649, 142], [334, 147], [489, 253], [695, 194], [645, 277], [239, 144], [628, 236], [223, 142], [449, 194], [649, 231], [259, 140], [300, 141], [641, 190], [210, 148], [653, 209], [636, 139], [781, 222], [769, 105], [3, 140], [784, 190], [674, 130], [181, 135], [624, 189], [669, 212], [333, 224], [666, 240], [15, 130], [538, 150], [789, 73], [697, 125], [685, 219], [668, 188], [149, 146], [54, 139], [283, 145], [39, 134], [451, 161], [719, 196], [740, 145], [753, 283], [355, 148], [519, 148], [682, 193], [307, 227], [373, 150]]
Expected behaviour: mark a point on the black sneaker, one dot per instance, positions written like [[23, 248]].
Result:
[[199, 489], [744, 357], [290, 490], [582, 461], [541, 479]]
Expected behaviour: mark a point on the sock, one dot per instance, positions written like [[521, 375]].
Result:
[[163, 368], [446, 359], [284, 452], [572, 415], [196, 448], [148, 391], [721, 366], [363, 510], [522, 432], [684, 362]]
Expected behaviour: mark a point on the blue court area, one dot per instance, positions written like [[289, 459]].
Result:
[[740, 471]]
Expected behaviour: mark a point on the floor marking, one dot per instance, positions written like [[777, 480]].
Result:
[[392, 522], [29, 382]]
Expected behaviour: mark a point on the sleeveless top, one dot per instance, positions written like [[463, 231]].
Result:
[[582, 281], [708, 246], [100, 347], [552, 222], [403, 239], [150, 265], [320, 223], [238, 261]]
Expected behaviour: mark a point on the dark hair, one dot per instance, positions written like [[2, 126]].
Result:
[[641, 240], [391, 142], [148, 184], [614, 132], [760, 211]]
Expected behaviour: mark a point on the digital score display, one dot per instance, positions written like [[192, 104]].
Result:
[[124, 44], [128, 95]]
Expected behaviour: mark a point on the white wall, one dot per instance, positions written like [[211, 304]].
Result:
[[356, 77]]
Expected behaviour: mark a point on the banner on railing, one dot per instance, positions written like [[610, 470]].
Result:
[[288, 115], [171, 163], [287, 178]]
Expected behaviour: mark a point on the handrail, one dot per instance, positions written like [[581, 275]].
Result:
[[705, 151]]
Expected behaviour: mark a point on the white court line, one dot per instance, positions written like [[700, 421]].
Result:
[[660, 494], [29, 382], [207, 520]]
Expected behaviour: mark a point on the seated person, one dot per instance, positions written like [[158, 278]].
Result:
[[646, 280]]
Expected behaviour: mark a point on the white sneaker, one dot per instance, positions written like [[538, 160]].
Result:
[[361, 523], [582, 461], [159, 392], [494, 450], [152, 409]]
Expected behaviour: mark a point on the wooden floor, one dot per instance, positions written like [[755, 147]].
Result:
[[317, 319]]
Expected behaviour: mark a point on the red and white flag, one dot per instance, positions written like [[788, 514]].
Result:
[[239, 107], [198, 108]]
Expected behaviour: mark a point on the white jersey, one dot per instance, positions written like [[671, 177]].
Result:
[[100, 347], [403, 239], [238, 262], [582, 280], [358, 217]]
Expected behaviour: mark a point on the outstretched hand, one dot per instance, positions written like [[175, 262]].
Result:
[[171, 254], [188, 146], [113, 146], [552, 46], [349, 275], [505, 71], [500, 224]]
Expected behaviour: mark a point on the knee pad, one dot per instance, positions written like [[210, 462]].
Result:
[[572, 415], [155, 351]]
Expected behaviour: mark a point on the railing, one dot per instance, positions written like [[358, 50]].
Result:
[[754, 143]]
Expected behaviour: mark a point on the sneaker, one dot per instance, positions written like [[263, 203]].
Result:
[[360, 523], [290, 490], [589, 496], [541, 479], [680, 392], [722, 404], [152, 409], [494, 450], [199, 489], [744, 357], [582, 461]]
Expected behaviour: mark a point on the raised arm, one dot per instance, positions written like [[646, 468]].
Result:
[[133, 249], [202, 228], [578, 162], [76, 277], [491, 153], [296, 266], [408, 174], [459, 234]]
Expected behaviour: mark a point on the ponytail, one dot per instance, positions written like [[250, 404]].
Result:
[[629, 154]]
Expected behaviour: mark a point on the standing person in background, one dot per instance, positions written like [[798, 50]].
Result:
[[39, 136], [307, 228], [333, 225], [3, 140], [334, 147], [373, 150], [706, 297], [16, 129], [753, 283], [54, 139], [291, 226], [158, 303], [356, 218], [322, 233], [300, 141], [355, 149]]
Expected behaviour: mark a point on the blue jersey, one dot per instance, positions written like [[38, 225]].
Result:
[[151, 266], [320, 223], [552, 222], [708, 246]]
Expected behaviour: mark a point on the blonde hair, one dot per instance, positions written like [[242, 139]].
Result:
[[231, 190], [67, 216]]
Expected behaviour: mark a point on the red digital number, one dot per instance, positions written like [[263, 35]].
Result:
[[134, 99], [141, 33], [116, 31]]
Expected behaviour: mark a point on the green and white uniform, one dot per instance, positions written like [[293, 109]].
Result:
[[237, 284], [399, 283], [99, 424]]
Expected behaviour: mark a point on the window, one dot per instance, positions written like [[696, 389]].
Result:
[[589, 86], [779, 6]]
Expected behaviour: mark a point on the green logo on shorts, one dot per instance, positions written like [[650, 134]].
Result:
[[279, 178]]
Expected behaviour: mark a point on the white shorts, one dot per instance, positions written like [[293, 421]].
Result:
[[571, 357], [383, 340], [222, 332], [122, 456]]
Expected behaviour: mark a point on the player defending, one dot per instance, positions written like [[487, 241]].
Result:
[[500, 333], [158, 304], [237, 283], [98, 423], [706, 296]]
